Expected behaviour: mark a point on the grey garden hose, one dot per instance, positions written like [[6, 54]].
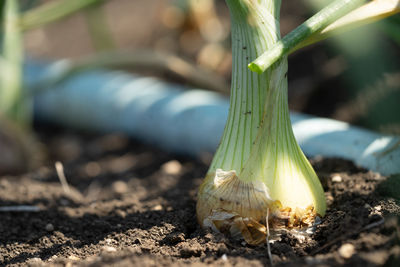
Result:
[[186, 121]]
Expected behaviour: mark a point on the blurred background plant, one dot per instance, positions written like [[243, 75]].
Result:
[[17, 17], [20, 150], [369, 61], [352, 77]]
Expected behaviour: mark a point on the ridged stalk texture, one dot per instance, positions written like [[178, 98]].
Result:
[[258, 170]]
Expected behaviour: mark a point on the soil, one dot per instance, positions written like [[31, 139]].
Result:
[[130, 203]]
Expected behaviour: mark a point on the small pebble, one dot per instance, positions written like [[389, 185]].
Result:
[[73, 258], [224, 257], [108, 241], [92, 169], [337, 179], [119, 187], [49, 227], [109, 249], [172, 167], [157, 207], [121, 163], [35, 260], [378, 208], [346, 251], [120, 213], [52, 258]]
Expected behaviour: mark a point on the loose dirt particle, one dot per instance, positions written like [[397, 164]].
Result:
[[172, 167], [157, 207], [73, 258], [120, 187], [346, 251], [109, 249], [49, 227], [337, 179]]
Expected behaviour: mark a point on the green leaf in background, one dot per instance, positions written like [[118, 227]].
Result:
[[24, 5], [392, 28], [53, 11], [12, 103], [371, 62], [98, 28]]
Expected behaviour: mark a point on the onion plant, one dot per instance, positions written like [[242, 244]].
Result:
[[15, 104], [259, 176]]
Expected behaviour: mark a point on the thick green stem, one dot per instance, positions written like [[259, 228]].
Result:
[[254, 30], [276, 159], [258, 142]]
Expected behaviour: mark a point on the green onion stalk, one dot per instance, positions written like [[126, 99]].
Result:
[[259, 177]]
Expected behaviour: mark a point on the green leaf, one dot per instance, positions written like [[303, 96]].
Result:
[[53, 11], [316, 23], [11, 96]]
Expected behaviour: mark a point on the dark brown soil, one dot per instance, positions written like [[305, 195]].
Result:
[[133, 204]]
